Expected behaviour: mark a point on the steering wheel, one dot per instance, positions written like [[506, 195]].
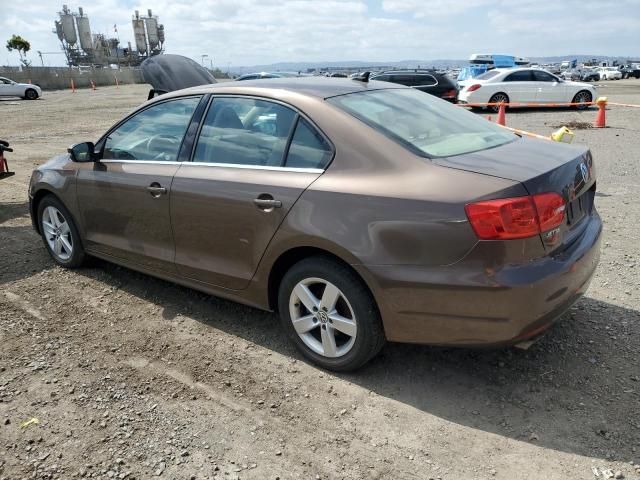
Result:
[[162, 142]]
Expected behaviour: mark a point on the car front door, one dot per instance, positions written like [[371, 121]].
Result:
[[520, 86], [549, 89], [123, 198], [252, 161], [7, 88]]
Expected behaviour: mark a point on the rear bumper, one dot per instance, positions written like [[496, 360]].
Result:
[[468, 304]]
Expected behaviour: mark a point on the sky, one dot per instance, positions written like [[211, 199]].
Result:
[[252, 32]]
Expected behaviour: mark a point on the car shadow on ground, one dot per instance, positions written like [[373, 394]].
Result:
[[574, 391]]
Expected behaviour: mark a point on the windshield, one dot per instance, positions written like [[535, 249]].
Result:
[[423, 123]]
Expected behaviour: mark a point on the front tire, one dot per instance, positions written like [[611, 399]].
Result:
[[30, 94], [498, 98], [329, 314], [59, 233]]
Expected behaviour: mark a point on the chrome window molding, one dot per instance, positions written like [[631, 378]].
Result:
[[220, 165]]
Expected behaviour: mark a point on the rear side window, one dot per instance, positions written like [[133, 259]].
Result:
[[244, 131], [426, 80], [540, 76], [523, 76], [407, 80], [308, 148]]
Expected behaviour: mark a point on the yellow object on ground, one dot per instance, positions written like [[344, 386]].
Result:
[[563, 134], [32, 421]]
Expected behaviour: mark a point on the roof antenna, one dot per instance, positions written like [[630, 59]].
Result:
[[363, 77]]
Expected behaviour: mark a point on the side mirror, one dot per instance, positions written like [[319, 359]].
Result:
[[83, 152]]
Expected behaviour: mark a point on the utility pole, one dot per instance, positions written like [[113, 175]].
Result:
[[202, 57]]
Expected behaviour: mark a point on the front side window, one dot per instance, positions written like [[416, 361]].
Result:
[[154, 134], [244, 131], [308, 148], [422, 123]]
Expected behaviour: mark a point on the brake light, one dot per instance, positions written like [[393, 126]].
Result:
[[550, 207], [518, 217], [474, 87]]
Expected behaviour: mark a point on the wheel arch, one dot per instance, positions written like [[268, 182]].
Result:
[[38, 196], [292, 256]]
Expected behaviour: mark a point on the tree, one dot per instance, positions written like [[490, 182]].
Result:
[[16, 42]]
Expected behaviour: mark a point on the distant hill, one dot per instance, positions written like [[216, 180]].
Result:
[[437, 63]]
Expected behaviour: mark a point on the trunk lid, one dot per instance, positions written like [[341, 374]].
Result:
[[541, 166]]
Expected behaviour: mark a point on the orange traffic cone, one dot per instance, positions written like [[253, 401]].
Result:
[[489, 118], [93, 85], [73, 86], [501, 117], [117, 84], [601, 115]]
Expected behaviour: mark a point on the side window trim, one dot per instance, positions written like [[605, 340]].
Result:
[[100, 144], [299, 115]]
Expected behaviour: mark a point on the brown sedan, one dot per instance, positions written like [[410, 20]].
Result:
[[361, 211]]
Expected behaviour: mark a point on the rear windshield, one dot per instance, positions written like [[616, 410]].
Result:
[[487, 75], [423, 123]]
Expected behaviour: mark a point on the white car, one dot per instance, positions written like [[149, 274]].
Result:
[[609, 73], [9, 88], [523, 85]]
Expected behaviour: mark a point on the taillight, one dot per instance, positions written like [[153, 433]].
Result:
[[550, 207], [474, 87], [518, 217]]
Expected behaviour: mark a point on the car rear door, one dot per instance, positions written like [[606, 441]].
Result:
[[124, 197], [520, 87], [549, 89], [252, 160]]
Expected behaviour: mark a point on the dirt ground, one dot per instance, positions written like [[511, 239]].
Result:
[[133, 377]]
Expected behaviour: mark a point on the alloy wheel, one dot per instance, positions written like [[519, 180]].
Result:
[[582, 97], [498, 98], [323, 317], [57, 233]]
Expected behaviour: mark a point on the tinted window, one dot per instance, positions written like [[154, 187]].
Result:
[[308, 148], [407, 80], [153, 134], [423, 123], [244, 131], [522, 76], [425, 80], [381, 78], [540, 76]]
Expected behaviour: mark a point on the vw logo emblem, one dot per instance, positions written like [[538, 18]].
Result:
[[584, 170], [323, 317]]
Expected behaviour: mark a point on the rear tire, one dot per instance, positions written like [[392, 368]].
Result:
[[582, 96], [30, 94], [338, 326], [59, 233], [498, 98]]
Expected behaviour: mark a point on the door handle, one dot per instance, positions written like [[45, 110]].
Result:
[[156, 190], [267, 203]]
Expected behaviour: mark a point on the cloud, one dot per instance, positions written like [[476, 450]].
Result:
[[249, 32]]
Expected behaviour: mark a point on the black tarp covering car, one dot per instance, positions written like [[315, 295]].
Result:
[[166, 73]]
